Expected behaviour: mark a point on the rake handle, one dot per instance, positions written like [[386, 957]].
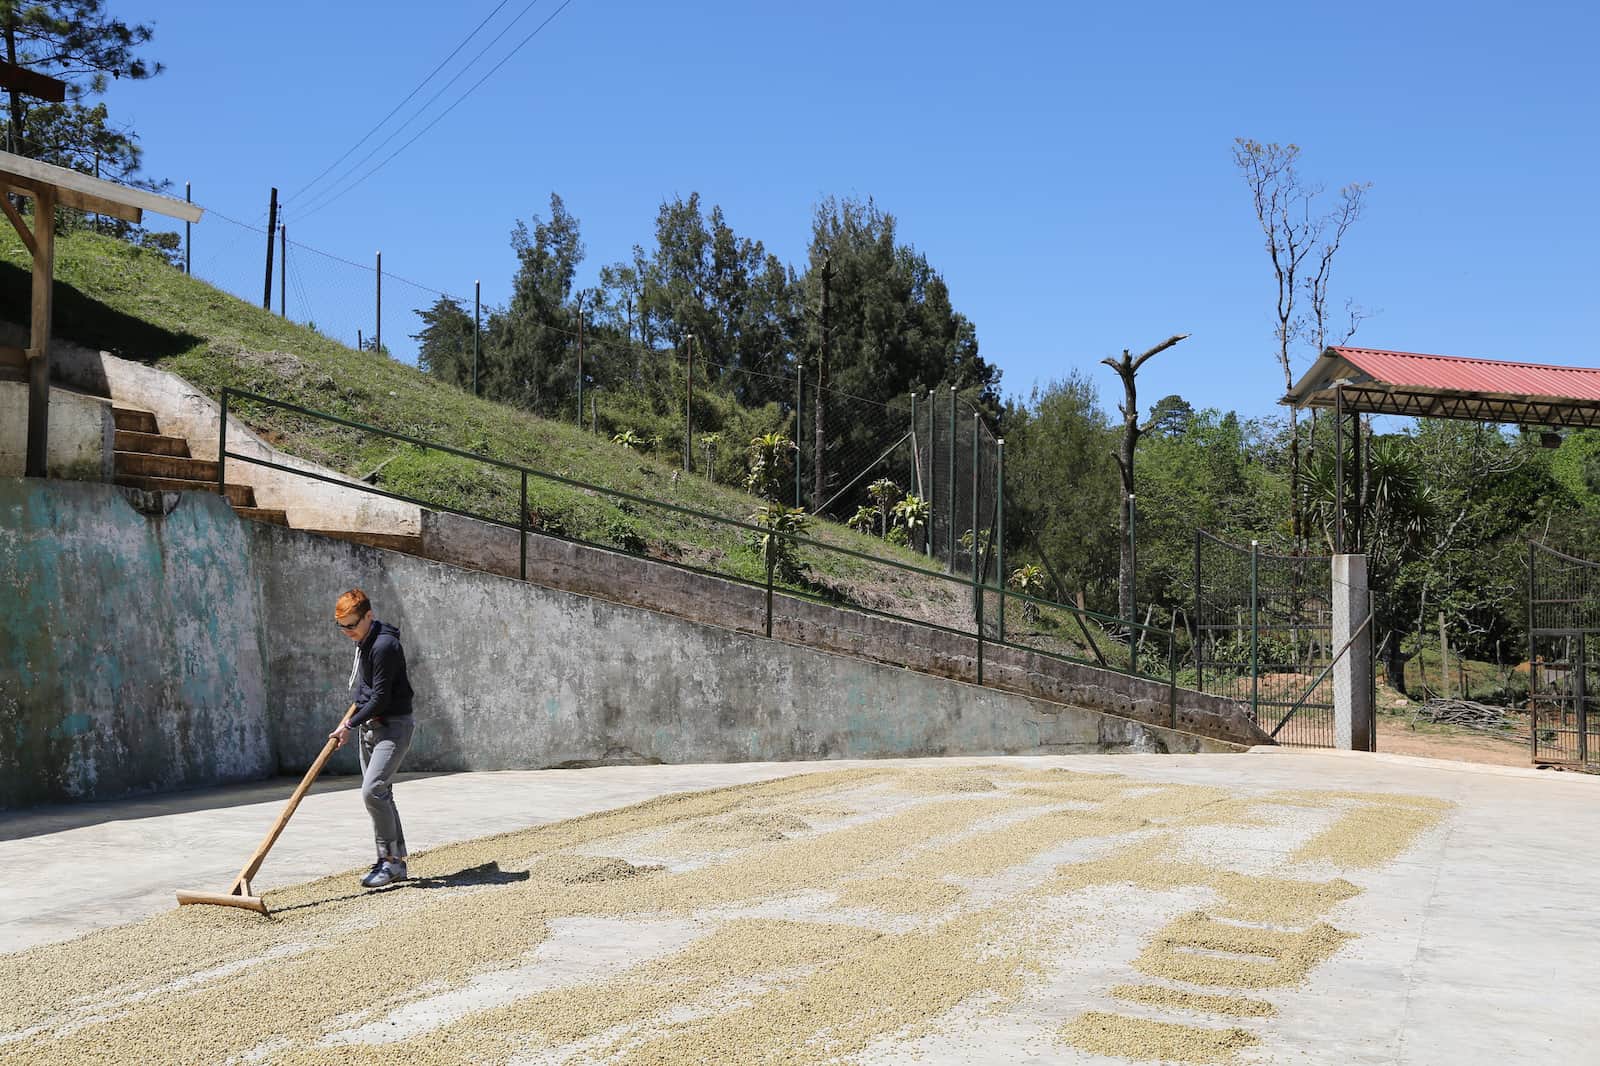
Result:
[[241, 883]]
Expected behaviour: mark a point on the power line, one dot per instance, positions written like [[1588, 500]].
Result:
[[412, 93], [459, 100]]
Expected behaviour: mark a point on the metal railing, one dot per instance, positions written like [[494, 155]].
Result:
[[978, 588]]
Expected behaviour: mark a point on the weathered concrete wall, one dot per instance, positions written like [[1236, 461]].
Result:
[[82, 434], [645, 583], [182, 410], [184, 646], [510, 675], [130, 645]]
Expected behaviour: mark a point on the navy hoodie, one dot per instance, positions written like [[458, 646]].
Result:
[[382, 689]]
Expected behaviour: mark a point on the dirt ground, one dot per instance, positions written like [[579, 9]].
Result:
[[1397, 737]]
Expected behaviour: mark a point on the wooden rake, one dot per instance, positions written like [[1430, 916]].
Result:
[[238, 894]]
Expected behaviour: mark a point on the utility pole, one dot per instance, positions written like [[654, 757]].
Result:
[[272, 229], [819, 434], [477, 304], [580, 360]]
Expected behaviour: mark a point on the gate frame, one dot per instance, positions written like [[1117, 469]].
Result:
[[1577, 669]]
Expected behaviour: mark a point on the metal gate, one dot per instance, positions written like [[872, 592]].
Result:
[[1263, 630], [1563, 658]]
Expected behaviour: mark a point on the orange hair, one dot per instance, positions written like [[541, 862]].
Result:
[[353, 602]]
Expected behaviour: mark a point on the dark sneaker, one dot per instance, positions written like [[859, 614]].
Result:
[[387, 873], [367, 879]]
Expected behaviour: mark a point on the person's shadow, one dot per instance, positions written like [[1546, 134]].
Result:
[[488, 873]]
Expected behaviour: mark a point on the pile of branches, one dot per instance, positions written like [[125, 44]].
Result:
[[1468, 714]]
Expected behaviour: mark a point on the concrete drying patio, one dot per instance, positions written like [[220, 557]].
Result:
[[1260, 908]]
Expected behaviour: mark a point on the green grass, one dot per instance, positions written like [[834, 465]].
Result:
[[112, 296]]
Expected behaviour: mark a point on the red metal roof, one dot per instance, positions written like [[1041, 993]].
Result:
[[1454, 373]]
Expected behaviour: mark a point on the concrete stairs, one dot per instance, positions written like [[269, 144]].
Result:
[[150, 460]]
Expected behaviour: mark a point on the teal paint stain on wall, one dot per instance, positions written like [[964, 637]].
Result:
[[73, 725]]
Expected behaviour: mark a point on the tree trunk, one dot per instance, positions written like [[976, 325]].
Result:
[[1394, 663], [16, 146]]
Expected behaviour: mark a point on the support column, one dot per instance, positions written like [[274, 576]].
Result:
[[1354, 727]]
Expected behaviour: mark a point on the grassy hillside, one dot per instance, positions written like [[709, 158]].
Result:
[[129, 301]]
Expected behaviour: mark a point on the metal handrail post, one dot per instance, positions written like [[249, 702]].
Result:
[[980, 634], [522, 531], [770, 563], [222, 448], [1172, 672]]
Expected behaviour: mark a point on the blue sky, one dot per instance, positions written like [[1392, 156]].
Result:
[[1067, 170]]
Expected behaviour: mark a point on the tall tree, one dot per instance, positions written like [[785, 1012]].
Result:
[[76, 41], [444, 344], [533, 340], [1301, 243]]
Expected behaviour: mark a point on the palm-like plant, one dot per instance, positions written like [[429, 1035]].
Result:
[[1028, 579], [779, 523], [768, 458], [863, 520], [884, 493], [629, 439], [911, 514]]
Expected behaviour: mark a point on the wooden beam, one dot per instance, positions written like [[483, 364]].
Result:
[[32, 83], [72, 198], [94, 194], [39, 335], [16, 220]]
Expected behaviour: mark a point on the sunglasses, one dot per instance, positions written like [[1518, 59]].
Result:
[[352, 625]]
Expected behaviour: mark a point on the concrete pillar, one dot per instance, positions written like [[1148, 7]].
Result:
[[1353, 723]]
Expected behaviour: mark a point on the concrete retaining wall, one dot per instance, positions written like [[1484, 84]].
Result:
[[645, 583], [193, 647], [130, 649], [82, 434]]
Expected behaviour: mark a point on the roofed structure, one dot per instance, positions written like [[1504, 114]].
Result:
[[1417, 385]]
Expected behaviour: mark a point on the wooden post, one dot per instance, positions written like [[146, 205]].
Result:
[[44, 254], [188, 264], [272, 228]]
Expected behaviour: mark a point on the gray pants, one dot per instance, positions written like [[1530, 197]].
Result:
[[383, 746]]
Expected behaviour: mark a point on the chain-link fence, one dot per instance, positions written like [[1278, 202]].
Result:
[[958, 474]]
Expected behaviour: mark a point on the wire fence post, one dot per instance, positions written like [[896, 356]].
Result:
[[977, 578], [477, 329], [1255, 628], [188, 263], [799, 432], [1000, 527], [522, 531], [1133, 588], [932, 489], [688, 409], [283, 270], [222, 448], [1199, 619], [950, 564], [580, 361], [377, 336], [980, 634]]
